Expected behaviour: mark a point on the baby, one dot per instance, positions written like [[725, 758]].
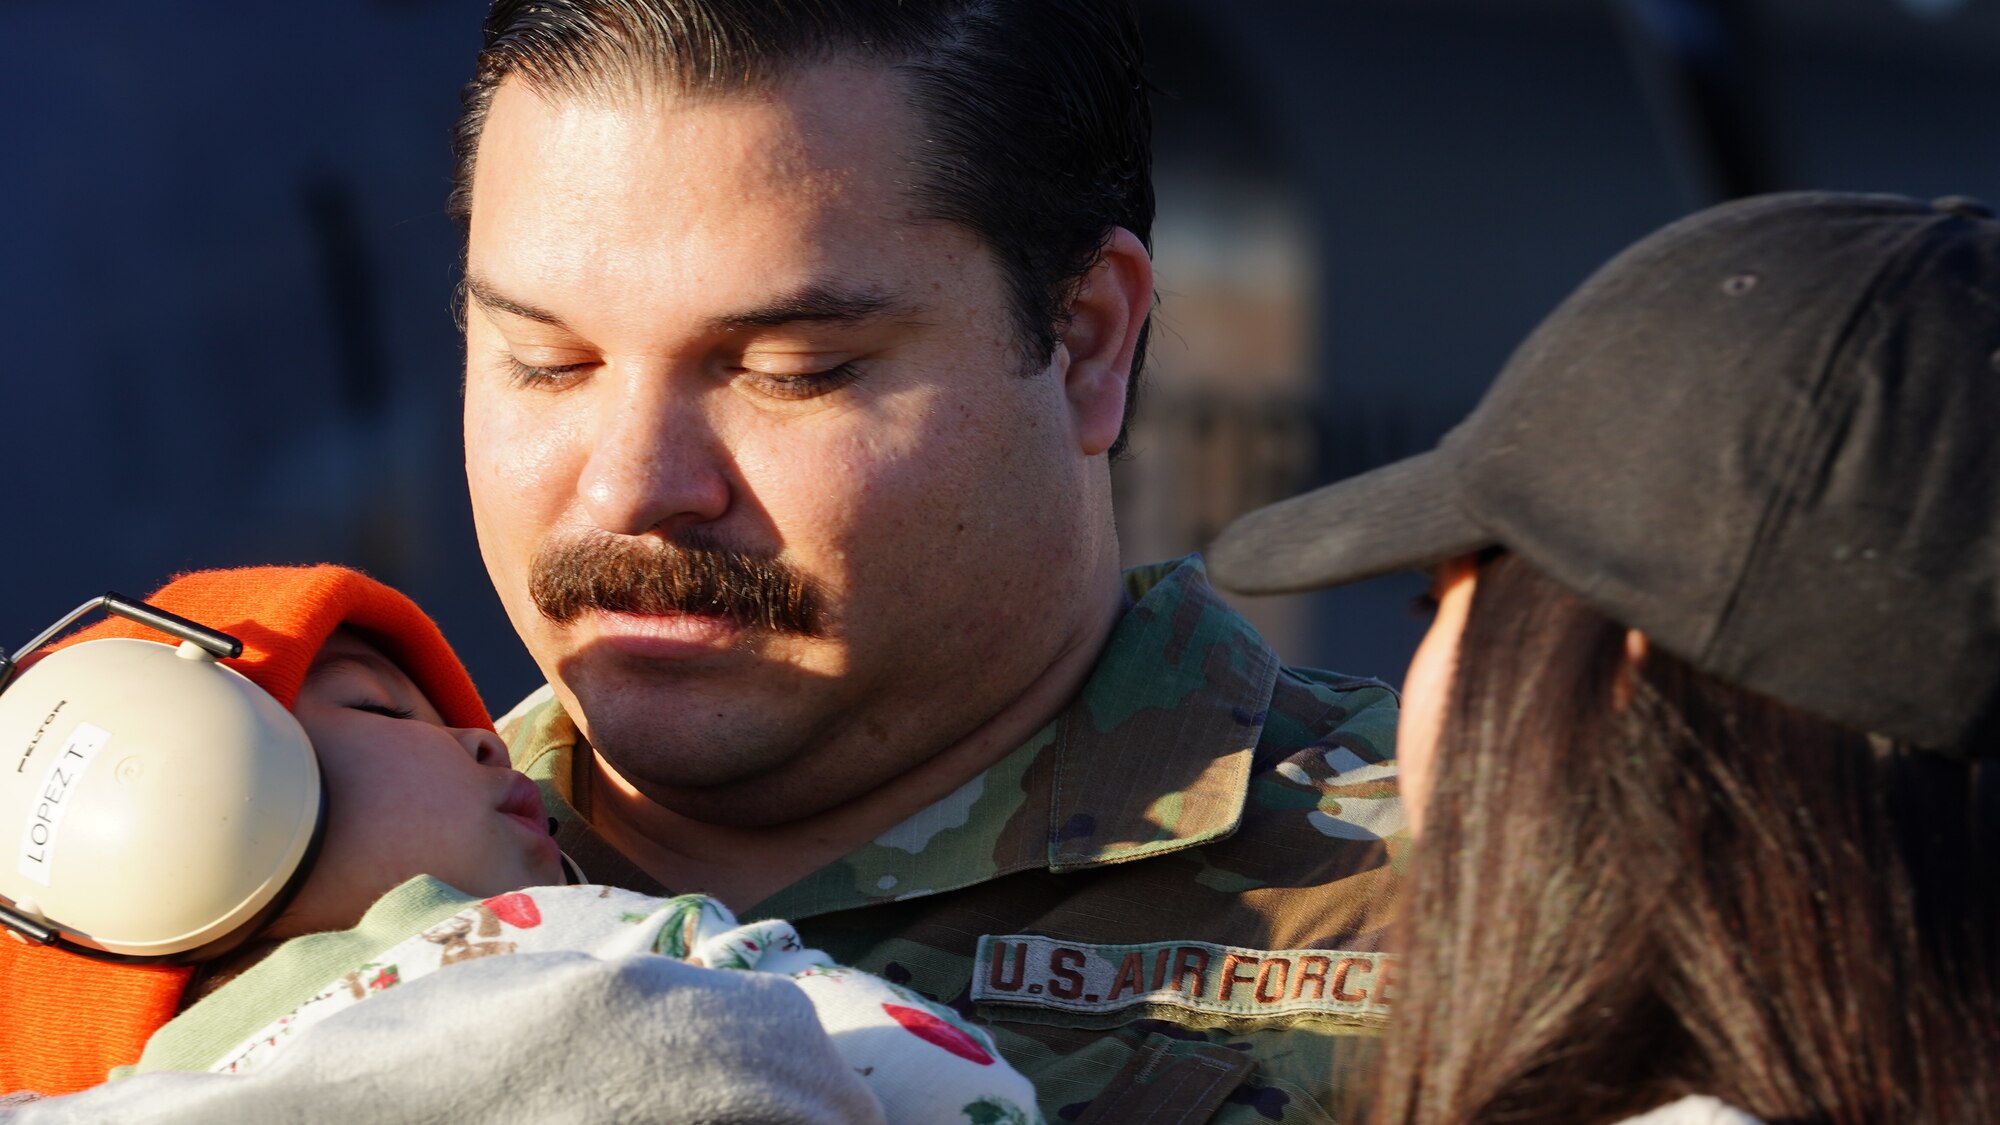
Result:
[[435, 854]]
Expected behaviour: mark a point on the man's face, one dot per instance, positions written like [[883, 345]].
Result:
[[715, 323]]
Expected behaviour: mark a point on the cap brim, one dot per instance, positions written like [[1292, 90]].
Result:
[[1399, 517]]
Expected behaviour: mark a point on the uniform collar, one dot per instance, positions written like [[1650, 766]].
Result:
[[1154, 752], [1152, 756]]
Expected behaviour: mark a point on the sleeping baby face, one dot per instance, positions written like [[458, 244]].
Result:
[[407, 795]]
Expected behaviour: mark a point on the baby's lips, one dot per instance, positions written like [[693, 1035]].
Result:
[[524, 800]]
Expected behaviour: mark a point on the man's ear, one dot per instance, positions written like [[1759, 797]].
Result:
[[1105, 317]]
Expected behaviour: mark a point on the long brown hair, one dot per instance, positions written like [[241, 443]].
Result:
[[1637, 882]]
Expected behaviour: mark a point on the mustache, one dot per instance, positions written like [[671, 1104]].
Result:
[[693, 575]]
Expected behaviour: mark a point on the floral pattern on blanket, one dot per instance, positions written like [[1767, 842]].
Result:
[[923, 1060]]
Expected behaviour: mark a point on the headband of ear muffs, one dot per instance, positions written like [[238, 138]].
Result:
[[164, 804]]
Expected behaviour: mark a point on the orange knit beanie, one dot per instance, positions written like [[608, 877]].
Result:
[[66, 1020]]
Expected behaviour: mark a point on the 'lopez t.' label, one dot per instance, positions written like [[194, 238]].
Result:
[[40, 835]]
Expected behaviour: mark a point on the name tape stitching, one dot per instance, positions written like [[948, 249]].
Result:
[[1043, 972]]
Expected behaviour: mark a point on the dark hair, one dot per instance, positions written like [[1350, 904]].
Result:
[[1036, 132], [1636, 882]]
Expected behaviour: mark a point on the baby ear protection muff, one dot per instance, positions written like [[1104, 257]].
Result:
[[155, 805]]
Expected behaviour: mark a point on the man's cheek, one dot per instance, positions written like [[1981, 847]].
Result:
[[514, 468]]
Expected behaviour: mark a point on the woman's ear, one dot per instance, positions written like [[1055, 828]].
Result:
[[1094, 355], [1636, 647]]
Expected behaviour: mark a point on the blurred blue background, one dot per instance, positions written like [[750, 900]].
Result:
[[226, 278]]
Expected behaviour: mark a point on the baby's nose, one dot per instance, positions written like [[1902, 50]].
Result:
[[484, 746]]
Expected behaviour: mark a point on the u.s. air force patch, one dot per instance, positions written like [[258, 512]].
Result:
[[1038, 979]]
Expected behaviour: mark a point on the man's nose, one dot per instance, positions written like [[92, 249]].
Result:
[[654, 464]]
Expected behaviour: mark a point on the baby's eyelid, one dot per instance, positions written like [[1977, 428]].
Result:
[[376, 707]]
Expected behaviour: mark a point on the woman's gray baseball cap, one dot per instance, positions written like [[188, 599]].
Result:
[[1767, 435]]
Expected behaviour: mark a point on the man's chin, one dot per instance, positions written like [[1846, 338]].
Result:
[[678, 746], [720, 739]]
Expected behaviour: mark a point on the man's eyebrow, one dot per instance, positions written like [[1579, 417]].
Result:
[[823, 302], [489, 297]]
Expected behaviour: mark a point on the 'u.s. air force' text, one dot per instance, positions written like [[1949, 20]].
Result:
[[1041, 972]]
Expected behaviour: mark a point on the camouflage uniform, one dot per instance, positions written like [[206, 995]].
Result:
[[1168, 902]]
